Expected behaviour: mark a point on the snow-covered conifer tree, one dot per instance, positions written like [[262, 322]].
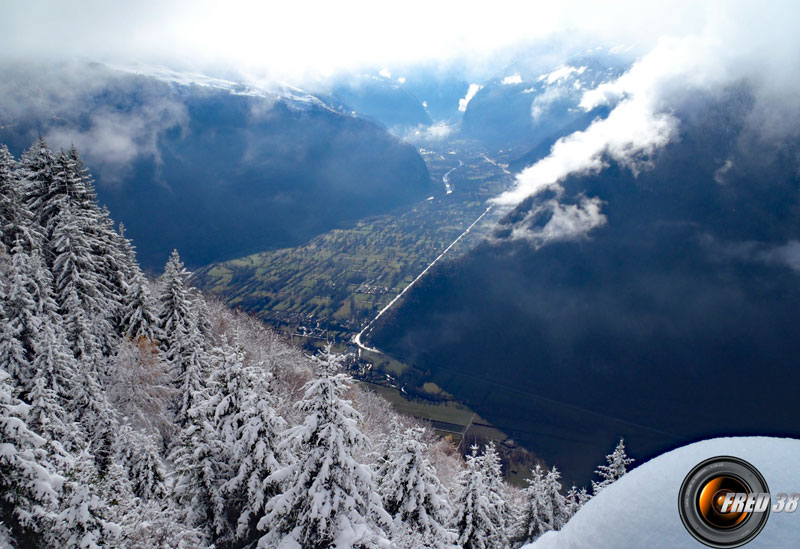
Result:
[[328, 497], [413, 496], [84, 520], [138, 316], [536, 511], [476, 517], [78, 289], [617, 463], [139, 454], [575, 499], [254, 453], [29, 488], [496, 492], [16, 218], [201, 469], [175, 308], [183, 345], [36, 169], [557, 504]]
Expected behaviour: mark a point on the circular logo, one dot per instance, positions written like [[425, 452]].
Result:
[[724, 502]]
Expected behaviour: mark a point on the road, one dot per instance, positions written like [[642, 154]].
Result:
[[357, 338]]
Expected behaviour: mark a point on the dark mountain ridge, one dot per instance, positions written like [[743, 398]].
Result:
[[654, 327], [218, 170]]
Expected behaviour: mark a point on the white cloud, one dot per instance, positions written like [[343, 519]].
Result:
[[542, 102], [434, 132], [512, 79], [567, 221], [641, 119], [722, 171], [386, 73], [401, 80], [788, 254], [473, 89]]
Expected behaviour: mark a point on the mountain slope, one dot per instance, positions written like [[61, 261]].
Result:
[[213, 167], [687, 291]]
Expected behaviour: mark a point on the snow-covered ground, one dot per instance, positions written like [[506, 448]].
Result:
[[641, 509]]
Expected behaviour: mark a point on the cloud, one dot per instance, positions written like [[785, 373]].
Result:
[[719, 175], [60, 102], [565, 222], [512, 79], [473, 89], [543, 101], [435, 132], [786, 255], [730, 48], [113, 139]]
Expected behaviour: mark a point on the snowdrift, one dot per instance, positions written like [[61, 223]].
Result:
[[641, 509]]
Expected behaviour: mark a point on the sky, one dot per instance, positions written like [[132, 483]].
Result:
[[292, 40]]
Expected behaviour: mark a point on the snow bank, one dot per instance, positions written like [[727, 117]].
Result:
[[641, 509]]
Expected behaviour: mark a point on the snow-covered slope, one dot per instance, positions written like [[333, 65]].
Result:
[[641, 509]]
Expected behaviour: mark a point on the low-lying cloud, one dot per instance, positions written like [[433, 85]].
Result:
[[731, 49], [471, 92]]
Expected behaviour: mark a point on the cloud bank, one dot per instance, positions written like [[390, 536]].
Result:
[[739, 43]]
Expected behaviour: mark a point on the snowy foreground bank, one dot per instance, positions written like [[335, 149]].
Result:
[[641, 509]]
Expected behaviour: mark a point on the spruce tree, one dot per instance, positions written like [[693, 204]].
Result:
[[37, 170], [413, 496], [535, 519], [138, 319], [328, 497], [496, 492], [617, 463], [85, 517], [254, 454], [475, 519], [138, 452], [556, 503], [201, 466], [575, 499], [29, 488], [16, 218]]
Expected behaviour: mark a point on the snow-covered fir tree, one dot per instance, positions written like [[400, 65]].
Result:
[[413, 495], [201, 470], [183, 345], [616, 466], [575, 499], [254, 453], [328, 498], [477, 518], [138, 318], [84, 521], [29, 488], [496, 492]]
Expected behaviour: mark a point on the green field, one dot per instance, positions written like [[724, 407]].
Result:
[[334, 284]]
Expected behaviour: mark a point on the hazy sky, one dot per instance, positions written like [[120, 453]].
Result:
[[291, 39]]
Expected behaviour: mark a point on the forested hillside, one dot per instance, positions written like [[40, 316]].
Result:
[[137, 413]]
